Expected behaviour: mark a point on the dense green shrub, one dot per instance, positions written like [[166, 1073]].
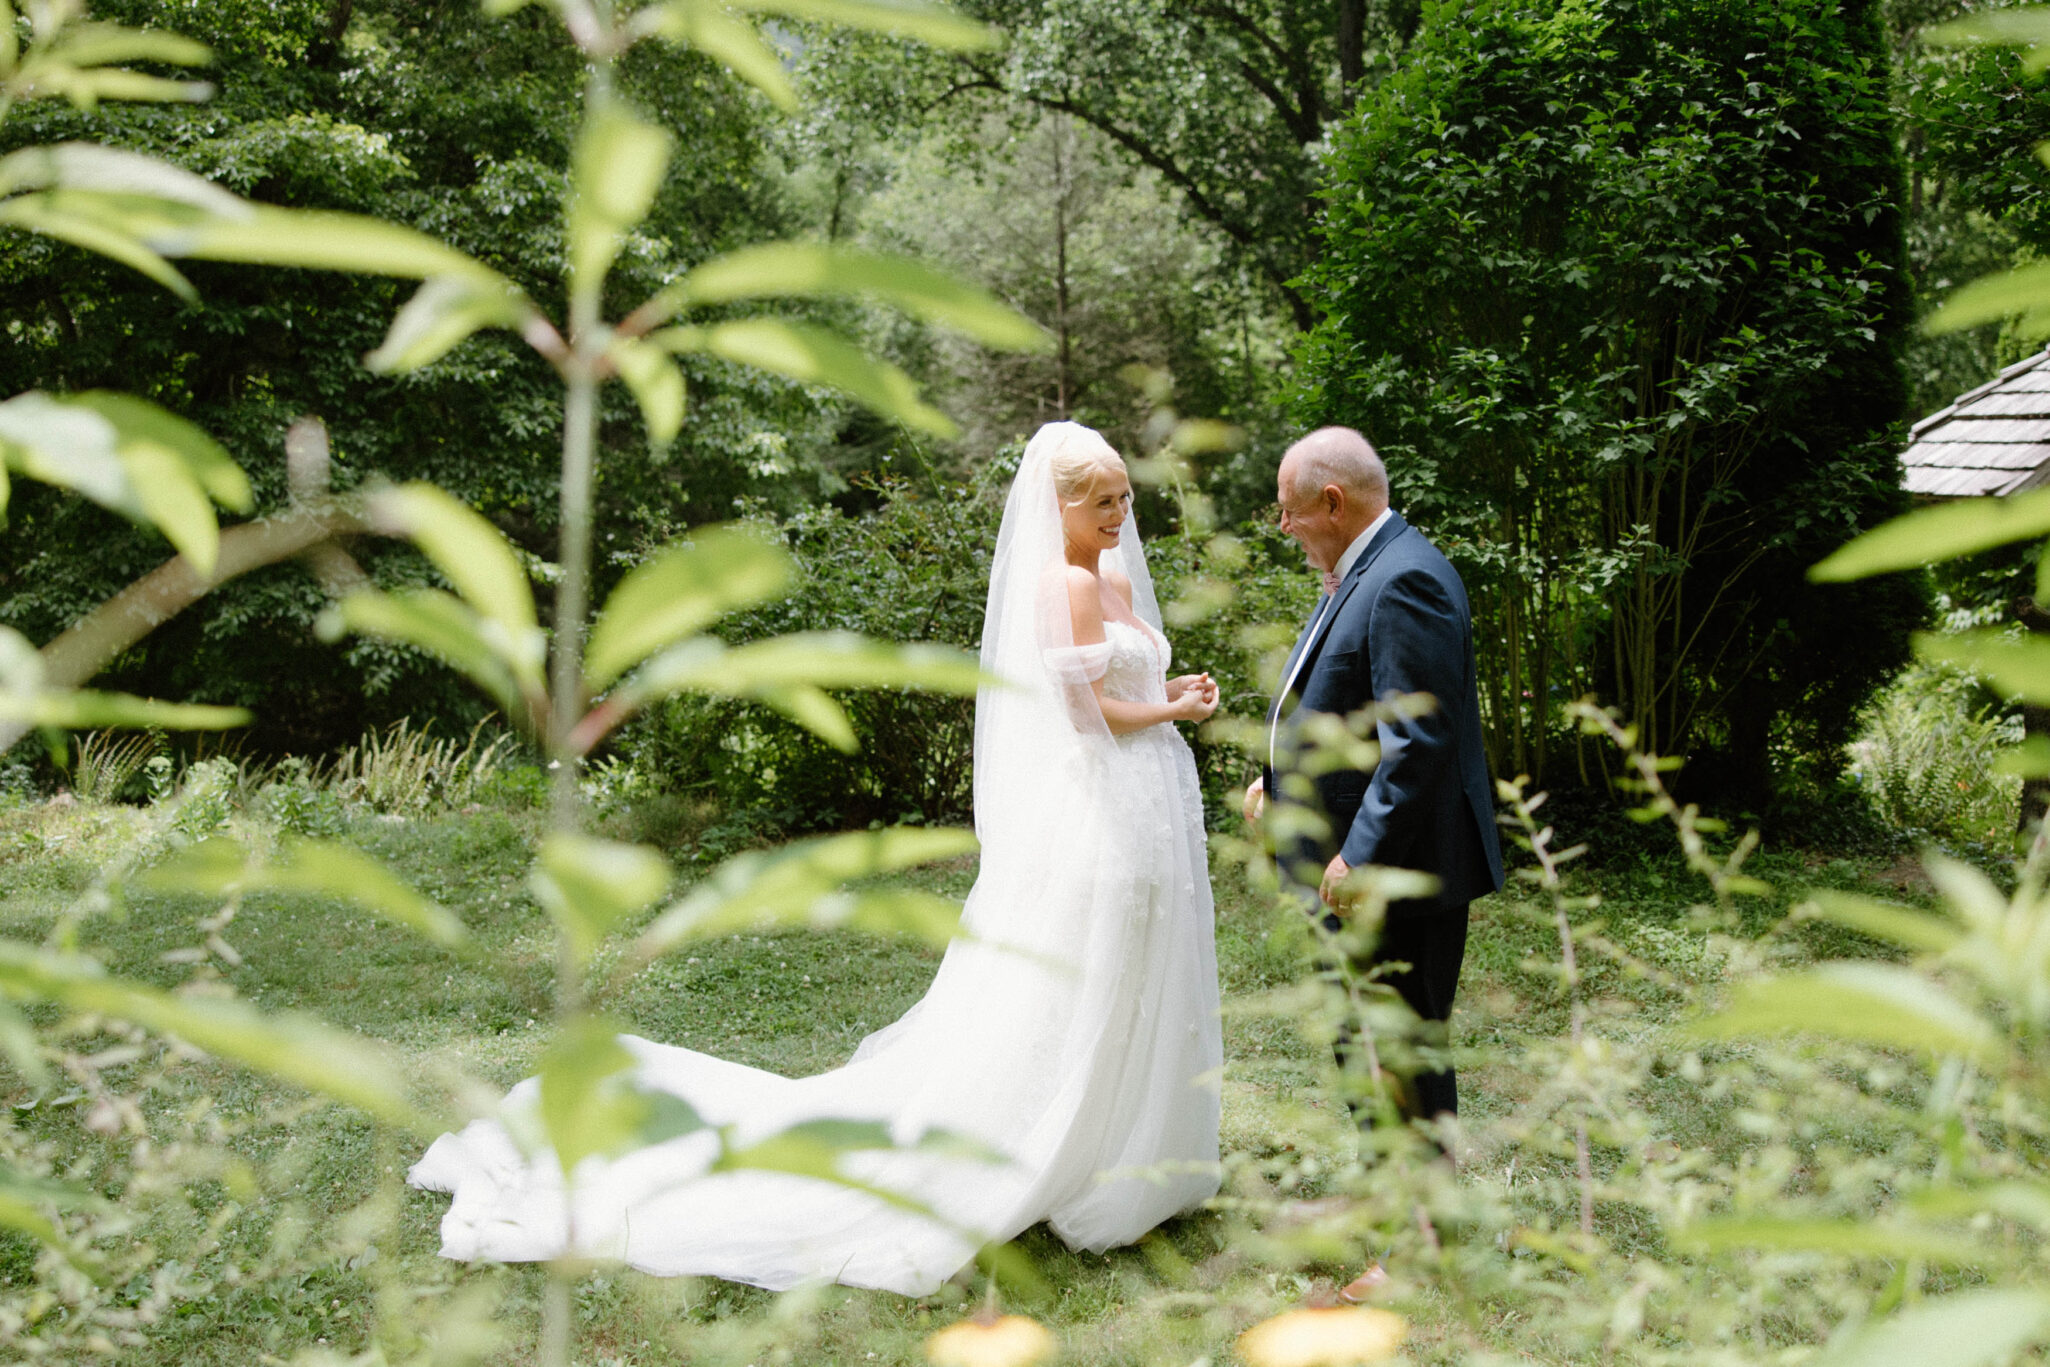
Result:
[[917, 569], [295, 800], [1616, 287], [1240, 641], [206, 798], [914, 570]]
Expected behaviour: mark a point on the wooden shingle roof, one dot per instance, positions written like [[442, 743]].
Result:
[[1993, 440]]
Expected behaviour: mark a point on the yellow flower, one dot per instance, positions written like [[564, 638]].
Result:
[[1009, 1341], [1341, 1336]]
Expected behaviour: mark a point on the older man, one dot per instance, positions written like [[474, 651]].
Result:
[[1393, 620]]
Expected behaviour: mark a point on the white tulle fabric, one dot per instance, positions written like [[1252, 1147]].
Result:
[[1074, 1031]]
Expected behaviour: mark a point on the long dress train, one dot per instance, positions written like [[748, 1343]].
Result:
[[1075, 1031]]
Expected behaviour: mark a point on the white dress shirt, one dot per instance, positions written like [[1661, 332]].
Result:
[[1359, 544]]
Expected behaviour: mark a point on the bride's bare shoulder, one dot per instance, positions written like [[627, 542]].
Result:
[[1119, 585], [1085, 604]]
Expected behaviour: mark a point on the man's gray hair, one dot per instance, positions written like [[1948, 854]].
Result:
[[1341, 456]]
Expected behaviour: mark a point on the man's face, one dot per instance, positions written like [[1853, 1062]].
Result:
[[1312, 517]]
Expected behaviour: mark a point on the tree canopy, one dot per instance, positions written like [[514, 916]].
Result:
[[1558, 248], [1227, 101]]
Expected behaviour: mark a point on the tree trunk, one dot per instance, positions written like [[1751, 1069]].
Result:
[[840, 179], [1352, 42], [94, 642], [1063, 185], [1405, 17], [323, 50]]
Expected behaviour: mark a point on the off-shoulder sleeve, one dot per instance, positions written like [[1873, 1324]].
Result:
[[1073, 666], [1073, 669]]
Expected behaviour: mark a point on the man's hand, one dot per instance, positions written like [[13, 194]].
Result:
[[1331, 891], [1256, 801]]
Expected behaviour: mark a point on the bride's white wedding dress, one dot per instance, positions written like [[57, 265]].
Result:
[[1074, 1031]]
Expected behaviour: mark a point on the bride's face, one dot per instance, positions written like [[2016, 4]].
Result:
[[1097, 518]]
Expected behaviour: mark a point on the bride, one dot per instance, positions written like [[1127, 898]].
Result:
[[1073, 1030]]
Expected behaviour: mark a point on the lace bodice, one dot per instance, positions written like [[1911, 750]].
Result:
[[1137, 671]]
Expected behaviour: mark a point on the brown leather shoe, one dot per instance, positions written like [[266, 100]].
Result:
[[1366, 1286]]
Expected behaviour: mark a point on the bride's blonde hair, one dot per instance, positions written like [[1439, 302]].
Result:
[[1077, 462]]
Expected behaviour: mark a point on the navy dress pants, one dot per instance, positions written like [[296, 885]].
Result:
[[1431, 940]]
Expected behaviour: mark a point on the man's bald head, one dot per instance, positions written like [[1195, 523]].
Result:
[[1331, 487], [1337, 456]]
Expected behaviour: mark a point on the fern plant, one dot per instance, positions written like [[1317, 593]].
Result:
[[106, 763], [1929, 756]]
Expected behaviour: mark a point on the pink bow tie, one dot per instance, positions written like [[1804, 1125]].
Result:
[[1330, 582]]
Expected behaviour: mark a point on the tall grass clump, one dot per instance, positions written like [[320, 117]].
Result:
[[1928, 756], [406, 770]]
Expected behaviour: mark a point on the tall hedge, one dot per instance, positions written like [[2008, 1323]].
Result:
[[1617, 289]]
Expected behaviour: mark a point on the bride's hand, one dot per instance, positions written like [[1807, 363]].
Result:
[[1192, 697]]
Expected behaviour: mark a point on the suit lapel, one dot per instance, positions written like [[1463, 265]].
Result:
[[1319, 625], [1391, 529]]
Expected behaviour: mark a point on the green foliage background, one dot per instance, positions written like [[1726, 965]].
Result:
[[423, 115], [1617, 288], [1071, 158]]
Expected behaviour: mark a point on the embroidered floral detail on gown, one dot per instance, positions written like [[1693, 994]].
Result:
[[1076, 1033]]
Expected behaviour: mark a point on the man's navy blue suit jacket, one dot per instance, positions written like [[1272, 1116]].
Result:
[[1400, 624]]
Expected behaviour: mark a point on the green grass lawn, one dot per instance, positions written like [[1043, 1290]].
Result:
[[291, 1229]]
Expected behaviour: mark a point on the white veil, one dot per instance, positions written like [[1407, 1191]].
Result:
[[1031, 735]]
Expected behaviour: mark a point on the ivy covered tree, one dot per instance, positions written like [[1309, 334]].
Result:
[[1617, 287]]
